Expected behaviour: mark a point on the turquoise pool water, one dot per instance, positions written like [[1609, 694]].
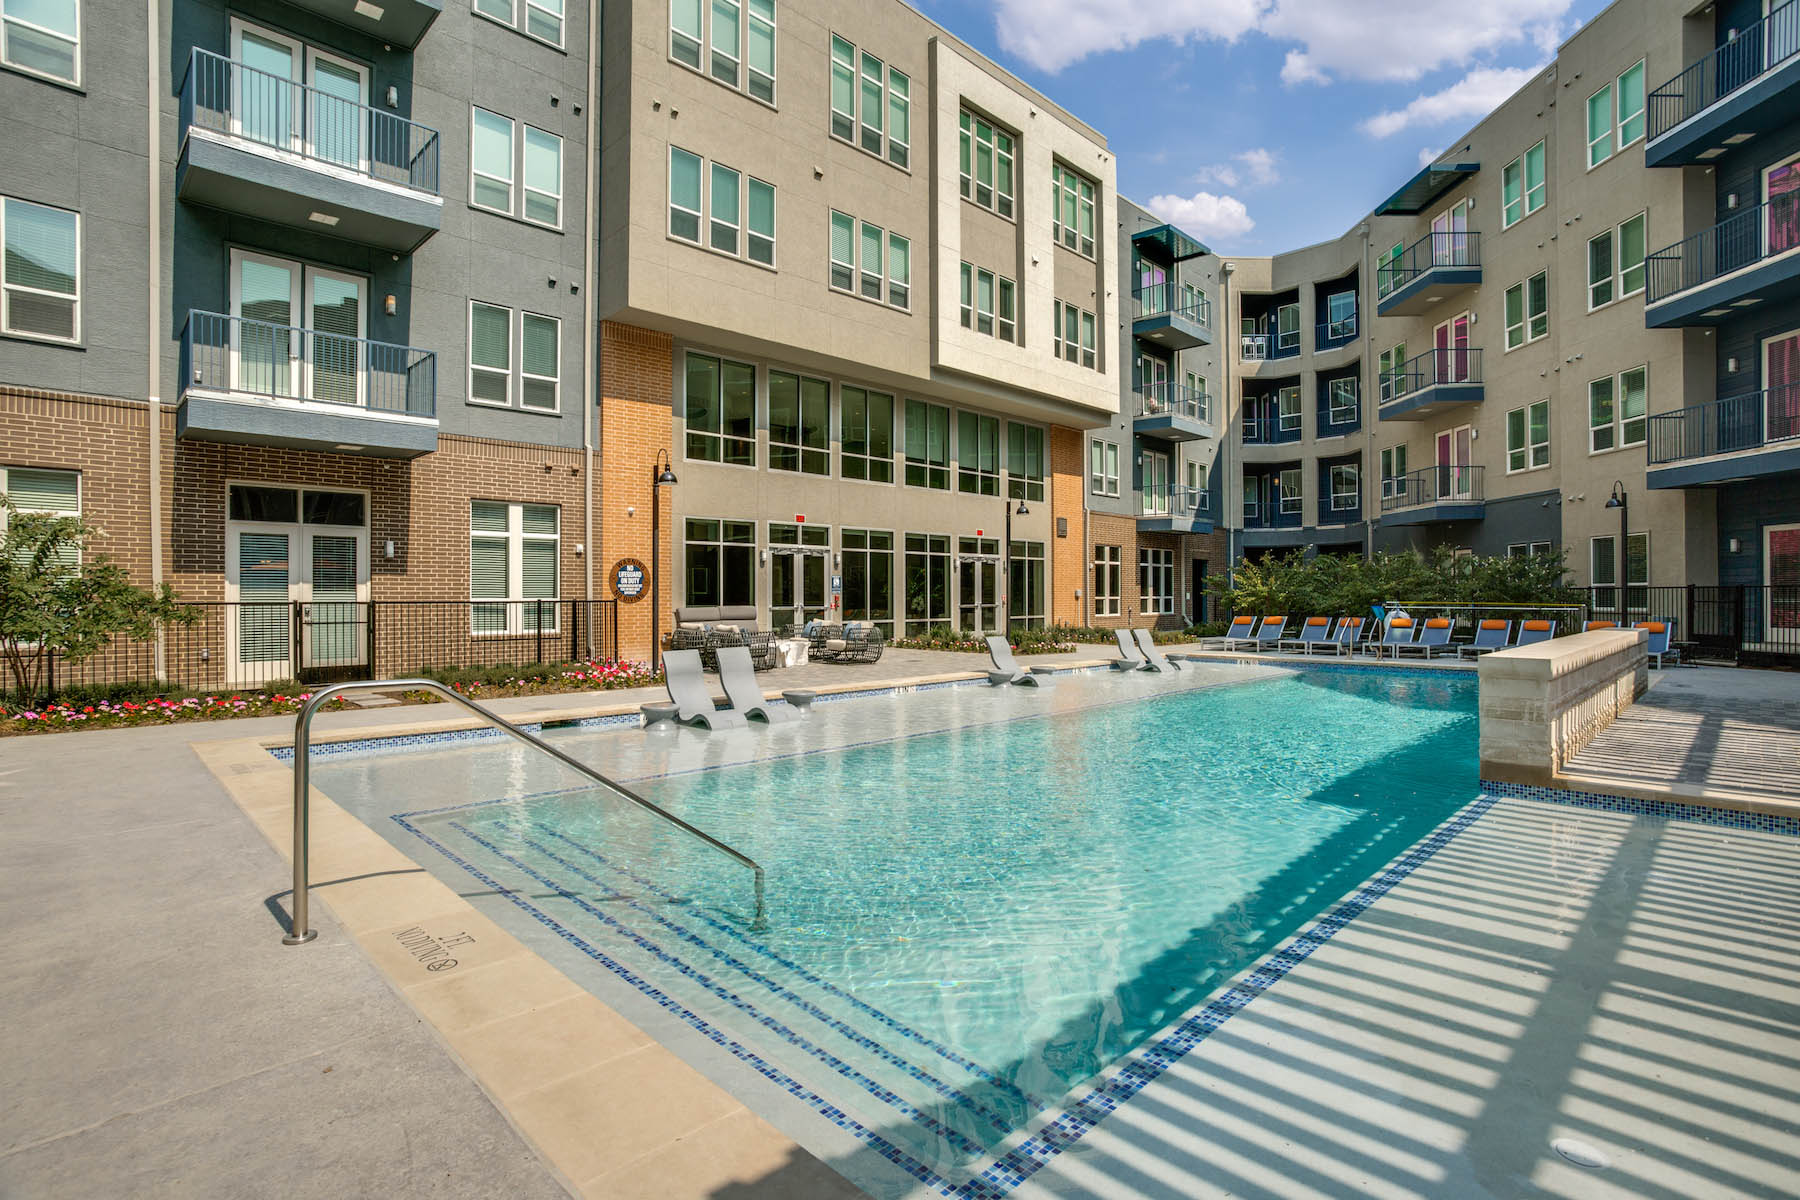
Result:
[[962, 926]]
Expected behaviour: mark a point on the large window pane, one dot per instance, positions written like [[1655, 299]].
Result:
[[491, 161], [684, 194], [543, 177], [42, 254]]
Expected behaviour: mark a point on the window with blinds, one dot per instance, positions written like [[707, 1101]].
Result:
[[490, 353], [539, 361], [40, 296], [42, 37], [870, 262], [515, 554], [55, 493]]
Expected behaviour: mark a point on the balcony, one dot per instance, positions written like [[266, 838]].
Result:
[[1748, 259], [1747, 86], [1176, 510], [1271, 429], [1266, 347], [255, 383], [1432, 269], [1329, 335], [1172, 412], [1172, 315], [1434, 496], [1737, 438], [1431, 383], [264, 146], [399, 23]]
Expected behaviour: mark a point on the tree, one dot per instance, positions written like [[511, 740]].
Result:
[[59, 601], [1326, 585]]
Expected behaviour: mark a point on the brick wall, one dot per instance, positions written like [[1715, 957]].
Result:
[[1108, 529], [1068, 555], [636, 382]]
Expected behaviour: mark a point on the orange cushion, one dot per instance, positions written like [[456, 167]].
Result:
[[1401, 623], [1438, 623], [1493, 624], [1354, 622], [1602, 625], [1537, 626], [1652, 626], [1277, 618], [1318, 620]]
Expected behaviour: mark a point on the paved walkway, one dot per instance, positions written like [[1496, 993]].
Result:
[[1705, 730]]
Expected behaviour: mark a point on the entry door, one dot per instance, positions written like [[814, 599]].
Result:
[[1450, 240], [327, 119], [1197, 596], [333, 364], [978, 594], [1452, 342], [265, 297], [1781, 575], [1153, 382], [796, 587], [270, 568], [1154, 483], [1455, 448], [337, 119], [1781, 378], [1781, 191]]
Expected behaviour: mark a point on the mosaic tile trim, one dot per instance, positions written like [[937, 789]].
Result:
[[1307, 662], [1672, 810]]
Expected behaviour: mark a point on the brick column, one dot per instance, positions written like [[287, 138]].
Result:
[[1068, 554], [636, 383]]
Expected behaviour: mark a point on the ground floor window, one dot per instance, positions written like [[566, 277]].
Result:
[[28, 490], [514, 551], [1106, 581], [1530, 549], [1346, 487], [719, 560], [1025, 593], [1606, 576], [927, 582], [1156, 581], [868, 557]]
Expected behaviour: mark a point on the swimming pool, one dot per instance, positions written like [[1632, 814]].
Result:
[[965, 923]]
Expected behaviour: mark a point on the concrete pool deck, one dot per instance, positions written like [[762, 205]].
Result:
[[162, 1042]]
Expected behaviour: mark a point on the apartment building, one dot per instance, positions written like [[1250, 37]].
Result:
[[859, 305], [1153, 469]]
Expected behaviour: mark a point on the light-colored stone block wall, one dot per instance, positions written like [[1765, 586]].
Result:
[[1541, 704]]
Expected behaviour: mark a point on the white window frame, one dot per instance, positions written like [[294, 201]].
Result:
[[525, 189], [1615, 426], [512, 162], [515, 538], [6, 490], [555, 381], [1103, 467], [1156, 581], [1347, 498], [891, 290], [1066, 182], [1522, 165], [1108, 581], [969, 125], [1334, 411], [1534, 455], [511, 20], [1608, 134], [1294, 502], [1393, 470], [742, 233], [469, 381], [562, 22], [7, 19], [1615, 136], [1616, 278], [699, 214], [7, 288], [1528, 320], [1620, 557], [1288, 417], [896, 94]]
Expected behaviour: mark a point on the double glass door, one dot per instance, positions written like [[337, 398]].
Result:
[[269, 568], [978, 585], [295, 97], [1450, 237], [1451, 340], [1455, 454], [298, 330], [797, 591]]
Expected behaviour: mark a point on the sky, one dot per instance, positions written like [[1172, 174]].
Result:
[[1261, 126]]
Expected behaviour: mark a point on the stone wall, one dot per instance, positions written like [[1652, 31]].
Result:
[[1541, 704]]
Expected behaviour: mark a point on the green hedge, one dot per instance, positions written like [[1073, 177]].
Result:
[[1329, 585]]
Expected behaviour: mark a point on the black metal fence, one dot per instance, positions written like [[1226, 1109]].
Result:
[[1756, 625], [250, 645], [1748, 56]]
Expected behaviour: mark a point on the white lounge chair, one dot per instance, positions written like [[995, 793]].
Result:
[[738, 674], [1130, 657], [1154, 659], [1001, 652], [686, 681]]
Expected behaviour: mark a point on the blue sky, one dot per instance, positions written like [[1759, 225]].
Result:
[[1265, 125]]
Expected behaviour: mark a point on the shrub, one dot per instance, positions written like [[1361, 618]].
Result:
[[1330, 585]]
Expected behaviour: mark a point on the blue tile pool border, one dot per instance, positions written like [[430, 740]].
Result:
[[1670, 810]]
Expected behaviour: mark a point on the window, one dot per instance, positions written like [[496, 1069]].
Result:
[[1617, 408], [885, 279], [514, 552], [543, 18], [1393, 471], [1343, 410], [899, 291], [986, 162], [1522, 186], [490, 353], [500, 10], [725, 44], [53, 493], [977, 454], [1103, 468], [1252, 500], [1528, 437], [543, 177], [1530, 549], [927, 445], [1390, 373], [927, 581], [1346, 487], [41, 275], [1198, 496], [1025, 595], [719, 562], [540, 341], [868, 568], [982, 290], [1074, 209], [799, 424], [1196, 390], [868, 435], [1604, 571], [1290, 491], [1615, 115], [1106, 580], [1025, 462], [1156, 581], [1075, 334], [42, 37], [1287, 328], [759, 51], [720, 411], [1340, 311], [1287, 408], [871, 104], [1528, 310], [739, 217], [491, 162], [1616, 263]]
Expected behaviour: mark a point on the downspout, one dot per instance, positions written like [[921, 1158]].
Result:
[[591, 335], [153, 359]]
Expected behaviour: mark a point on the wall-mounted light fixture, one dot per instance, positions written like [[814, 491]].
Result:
[[393, 96], [1731, 364], [390, 305], [1733, 545], [387, 548]]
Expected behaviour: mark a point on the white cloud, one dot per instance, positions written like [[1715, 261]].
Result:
[[1251, 168], [1375, 40], [1474, 95], [1427, 156], [1204, 215]]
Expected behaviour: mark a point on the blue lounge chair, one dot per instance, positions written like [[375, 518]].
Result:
[[1343, 638], [1533, 632], [1661, 633], [1006, 667], [1241, 629], [1316, 631], [1490, 635], [1433, 639], [737, 672], [1268, 634], [1130, 657], [1154, 659], [1399, 633], [686, 681]]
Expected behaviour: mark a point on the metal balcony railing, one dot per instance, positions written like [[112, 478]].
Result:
[[1253, 347], [1433, 485], [286, 362], [1752, 54], [1174, 299], [1265, 429], [1175, 500], [1741, 240], [1178, 399], [1329, 334], [239, 101], [1429, 252], [1273, 514], [1746, 422], [1431, 369]]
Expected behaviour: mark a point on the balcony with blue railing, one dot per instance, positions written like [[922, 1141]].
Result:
[[1329, 335], [259, 383], [1176, 509], [311, 157], [1739, 437], [1274, 514], [1172, 412], [1431, 383], [1269, 427], [1174, 316], [1701, 280], [1434, 496], [1428, 272], [1748, 85], [1267, 347]]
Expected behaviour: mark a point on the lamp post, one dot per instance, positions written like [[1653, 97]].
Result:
[[661, 476], [1006, 559], [1622, 502]]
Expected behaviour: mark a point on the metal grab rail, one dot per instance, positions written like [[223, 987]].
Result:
[[298, 930], [292, 362]]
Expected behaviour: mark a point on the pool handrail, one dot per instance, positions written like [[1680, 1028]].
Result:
[[298, 931]]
